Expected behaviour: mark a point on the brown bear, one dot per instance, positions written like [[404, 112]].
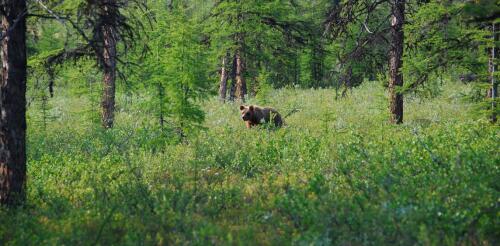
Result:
[[255, 115]]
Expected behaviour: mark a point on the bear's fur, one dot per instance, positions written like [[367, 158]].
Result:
[[255, 115]]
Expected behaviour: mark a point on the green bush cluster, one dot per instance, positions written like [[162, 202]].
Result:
[[337, 173]]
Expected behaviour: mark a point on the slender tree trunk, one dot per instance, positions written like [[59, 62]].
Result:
[[241, 86], [396, 61], [109, 56], [493, 67], [232, 90], [223, 79], [13, 102]]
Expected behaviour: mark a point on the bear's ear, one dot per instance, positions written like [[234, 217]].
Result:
[[251, 108], [242, 107]]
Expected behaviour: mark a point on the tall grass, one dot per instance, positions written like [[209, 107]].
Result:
[[337, 173]]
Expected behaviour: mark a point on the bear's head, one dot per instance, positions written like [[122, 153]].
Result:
[[246, 112]]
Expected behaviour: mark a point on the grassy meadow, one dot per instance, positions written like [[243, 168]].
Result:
[[338, 173]]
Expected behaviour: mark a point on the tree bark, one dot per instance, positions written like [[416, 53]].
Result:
[[223, 79], [396, 61], [109, 62], [13, 102], [241, 86]]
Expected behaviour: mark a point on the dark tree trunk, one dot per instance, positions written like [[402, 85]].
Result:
[[109, 63], [347, 81], [223, 79], [241, 86], [160, 97], [493, 92], [13, 102], [396, 61]]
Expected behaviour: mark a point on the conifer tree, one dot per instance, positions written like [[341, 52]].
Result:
[[177, 68]]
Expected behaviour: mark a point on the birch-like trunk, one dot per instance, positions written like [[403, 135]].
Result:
[[223, 79], [241, 86]]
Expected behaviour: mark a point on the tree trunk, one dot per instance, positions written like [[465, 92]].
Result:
[[493, 92], [241, 86], [347, 81], [223, 79], [109, 62], [396, 61], [232, 90], [13, 102]]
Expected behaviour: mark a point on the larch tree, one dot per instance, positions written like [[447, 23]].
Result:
[[252, 33], [107, 35], [486, 14], [13, 102], [359, 33], [396, 61], [231, 39], [176, 68], [440, 35], [459, 37], [106, 30], [370, 18]]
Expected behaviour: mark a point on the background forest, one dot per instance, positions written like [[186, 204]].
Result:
[[131, 131]]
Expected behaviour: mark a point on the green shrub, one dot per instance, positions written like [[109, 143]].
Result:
[[338, 173]]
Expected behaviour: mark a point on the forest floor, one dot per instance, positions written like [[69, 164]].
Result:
[[337, 173]]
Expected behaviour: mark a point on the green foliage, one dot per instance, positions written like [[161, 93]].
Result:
[[447, 40], [351, 179], [180, 168], [268, 34], [177, 69], [264, 87], [439, 39]]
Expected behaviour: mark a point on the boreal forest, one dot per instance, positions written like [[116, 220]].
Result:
[[249, 122]]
